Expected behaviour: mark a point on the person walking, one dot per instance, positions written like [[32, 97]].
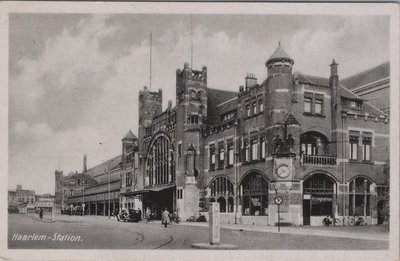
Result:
[[41, 213], [148, 214], [165, 217]]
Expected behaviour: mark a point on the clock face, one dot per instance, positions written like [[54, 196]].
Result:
[[283, 172]]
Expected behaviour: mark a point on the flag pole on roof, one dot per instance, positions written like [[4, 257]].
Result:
[[151, 40]]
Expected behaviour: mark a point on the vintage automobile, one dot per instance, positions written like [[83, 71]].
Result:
[[130, 215]]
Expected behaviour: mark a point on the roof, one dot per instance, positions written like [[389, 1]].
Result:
[[279, 54], [214, 98], [103, 167], [343, 91], [368, 76], [313, 80], [129, 136]]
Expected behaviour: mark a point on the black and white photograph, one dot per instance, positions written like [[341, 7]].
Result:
[[151, 128]]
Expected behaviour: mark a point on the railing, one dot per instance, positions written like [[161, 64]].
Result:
[[319, 160]]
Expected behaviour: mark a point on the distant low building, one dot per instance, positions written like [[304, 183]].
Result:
[[22, 198]]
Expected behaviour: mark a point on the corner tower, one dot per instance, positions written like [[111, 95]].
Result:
[[150, 104], [191, 109]]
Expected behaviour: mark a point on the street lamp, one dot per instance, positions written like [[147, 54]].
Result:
[[83, 197], [109, 181], [109, 192], [235, 170]]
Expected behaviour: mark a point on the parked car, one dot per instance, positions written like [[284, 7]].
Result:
[[130, 215], [13, 210]]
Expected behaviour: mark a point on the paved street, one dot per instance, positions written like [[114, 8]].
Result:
[[90, 232]]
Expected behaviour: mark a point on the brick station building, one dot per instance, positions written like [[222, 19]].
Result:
[[310, 140], [307, 139]]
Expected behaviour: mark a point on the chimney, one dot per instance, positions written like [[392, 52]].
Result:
[[84, 163], [251, 80], [334, 83]]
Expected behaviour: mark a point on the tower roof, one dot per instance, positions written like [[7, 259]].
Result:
[[129, 136], [279, 53]]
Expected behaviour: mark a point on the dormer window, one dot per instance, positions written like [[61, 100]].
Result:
[[357, 105]]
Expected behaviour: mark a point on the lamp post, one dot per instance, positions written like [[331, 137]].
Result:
[[109, 192], [235, 171], [83, 197]]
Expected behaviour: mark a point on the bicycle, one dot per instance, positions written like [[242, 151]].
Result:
[[356, 221], [328, 221]]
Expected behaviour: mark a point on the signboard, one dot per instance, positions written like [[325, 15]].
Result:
[[278, 200]]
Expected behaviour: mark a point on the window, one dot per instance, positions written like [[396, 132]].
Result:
[[254, 108], [307, 105], [180, 149], [248, 111], [160, 166], [353, 147], [366, 147], [193, 119], [129, 178], [220, 189], [262, 144], [230, 153], [356, 105], [246, 151], [261, 106], [212, 157], [179, 193], [221, 155], [254, 195], [318, 106], [360, 197], [254, 150]]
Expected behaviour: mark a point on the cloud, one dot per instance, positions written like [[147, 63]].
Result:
[[68, 74]]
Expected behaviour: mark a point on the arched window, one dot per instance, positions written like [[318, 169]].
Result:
[[318, 199], [360, 197], [230, 204], [160, 167], [221, 188], [222, 204], [314, 143], [254, 195]]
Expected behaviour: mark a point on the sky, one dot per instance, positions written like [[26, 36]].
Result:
[[74, 79]]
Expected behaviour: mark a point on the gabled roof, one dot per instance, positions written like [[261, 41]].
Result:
[[313, 80], [291, 120], [129, 136], [374, 74], [214, 98]]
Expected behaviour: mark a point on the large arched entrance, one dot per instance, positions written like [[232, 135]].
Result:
[[318, 198], [254, 194]]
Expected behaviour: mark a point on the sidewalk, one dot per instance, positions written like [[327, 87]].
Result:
[[321, 232]]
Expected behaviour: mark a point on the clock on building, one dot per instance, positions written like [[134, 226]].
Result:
[[283, 171]]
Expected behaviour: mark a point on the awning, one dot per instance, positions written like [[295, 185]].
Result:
[[147, 190]]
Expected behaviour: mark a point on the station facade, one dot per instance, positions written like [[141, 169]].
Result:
[[307, 139]]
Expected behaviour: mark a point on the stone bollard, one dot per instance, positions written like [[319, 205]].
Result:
[[214, 223], [214, 229]]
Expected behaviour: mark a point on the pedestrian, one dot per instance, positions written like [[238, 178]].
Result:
[[148, 214], [165, 217], [140, 213], [40, 213]]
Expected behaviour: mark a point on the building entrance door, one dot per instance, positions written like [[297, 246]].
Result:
[[158, 201], [306, 212]]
